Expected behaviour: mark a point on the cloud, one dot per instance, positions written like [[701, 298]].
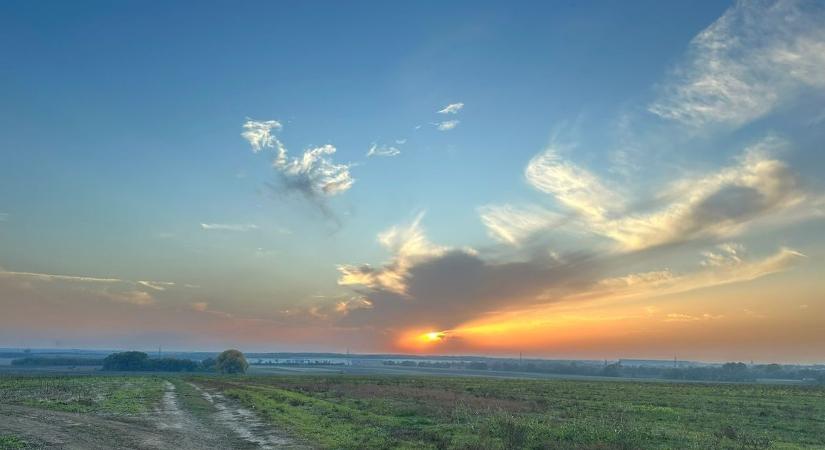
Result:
[[571, 185], [446, 125], [52, 277], [112, 289], [228, 227], [384, 150], [4, 217], [754, 58], [134, 297], [719, 204], [157, 285], [452, 108], [515, 224], [352, 304], [757, 187], [261, 135], [408, 245], [313, 174], [400, 141], [427, 285], [676, 317], [727, 267]]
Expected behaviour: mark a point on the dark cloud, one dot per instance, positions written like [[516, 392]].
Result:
[[449, 289]]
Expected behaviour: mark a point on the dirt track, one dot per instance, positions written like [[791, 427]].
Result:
[[226, 426]]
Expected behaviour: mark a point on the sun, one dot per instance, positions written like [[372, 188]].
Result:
[[434, 336]]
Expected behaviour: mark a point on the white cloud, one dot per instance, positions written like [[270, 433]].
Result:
[[756, 188], [112, 289], [400, 141], [4, 217], [446, 125], [384, 150], [513, 224], [676, 317], [728, 254], [665, 282], [261, 134], [452, 108], [354, 303], [228, 227], [156, 285], [408, 245], [571, 185], [752, 59], [52, 277], [315, 174], [134, 297]]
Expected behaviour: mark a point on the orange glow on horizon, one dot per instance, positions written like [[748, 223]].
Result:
[[420, 340]]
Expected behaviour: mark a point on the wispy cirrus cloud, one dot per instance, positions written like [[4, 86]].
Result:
[[157, 285], [513, 225], [452, 108], [754, 58], [240, 227], [53, 277], [446, 125], [729, 265], [117, 290], [383, 150], [571, 185]]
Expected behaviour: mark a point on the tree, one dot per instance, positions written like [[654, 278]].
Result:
[[231, 361], [126, 361], [208, 364]]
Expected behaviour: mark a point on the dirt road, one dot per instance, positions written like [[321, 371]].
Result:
[[220, 424]]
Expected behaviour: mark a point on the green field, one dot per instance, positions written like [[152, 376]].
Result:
[[399, 412], [361, 412]]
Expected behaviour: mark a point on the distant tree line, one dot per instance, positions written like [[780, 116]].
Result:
[[732, 371], [45, 361], [230, 361]]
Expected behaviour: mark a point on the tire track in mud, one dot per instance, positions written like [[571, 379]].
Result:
[[245, 423]]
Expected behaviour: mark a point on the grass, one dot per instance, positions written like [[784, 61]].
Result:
[[9, 442], [102, 395], [475, 413]]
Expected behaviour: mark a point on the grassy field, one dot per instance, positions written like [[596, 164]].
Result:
[[128, 395], [431, 412], [362, 412]]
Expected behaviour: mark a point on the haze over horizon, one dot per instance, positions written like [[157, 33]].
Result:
[[427, 178]]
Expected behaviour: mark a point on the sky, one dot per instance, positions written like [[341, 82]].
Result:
[[592, 180]]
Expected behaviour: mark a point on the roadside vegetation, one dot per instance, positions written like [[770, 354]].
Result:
[[481, 413]]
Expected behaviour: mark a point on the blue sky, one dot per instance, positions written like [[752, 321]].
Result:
[[120, 132]]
